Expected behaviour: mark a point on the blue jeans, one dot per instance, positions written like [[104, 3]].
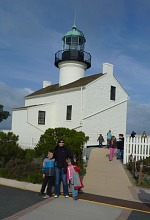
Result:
[[100, 145], [74, 191], [60, 176], [119, 154]]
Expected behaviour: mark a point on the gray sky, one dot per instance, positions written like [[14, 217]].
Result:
[[116, 31]]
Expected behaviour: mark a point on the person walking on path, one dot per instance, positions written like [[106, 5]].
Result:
[[48, 175], [109, 136], [112, 147], [120, 146], [61, 153], [73, 178], [101, 140]]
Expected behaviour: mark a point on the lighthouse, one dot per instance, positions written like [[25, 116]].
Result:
[[73, 101], [72, 60]]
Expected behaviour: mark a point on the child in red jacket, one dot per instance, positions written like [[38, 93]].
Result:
[[73, 178]]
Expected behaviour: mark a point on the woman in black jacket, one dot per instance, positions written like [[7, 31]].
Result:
[[61, 153]]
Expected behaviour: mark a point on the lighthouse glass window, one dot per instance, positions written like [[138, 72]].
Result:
[[41, 118], [69, 112]]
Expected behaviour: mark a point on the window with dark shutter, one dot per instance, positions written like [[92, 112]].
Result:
[[41, 118], [113, 93], [69, 112]]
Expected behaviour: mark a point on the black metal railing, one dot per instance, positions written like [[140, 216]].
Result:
[[76, 55]]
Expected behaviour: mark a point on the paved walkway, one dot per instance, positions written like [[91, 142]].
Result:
[[103, 177], [107, 178], [26, 205], [105, 183]]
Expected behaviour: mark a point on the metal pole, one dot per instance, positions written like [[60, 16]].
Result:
[[140, 174]]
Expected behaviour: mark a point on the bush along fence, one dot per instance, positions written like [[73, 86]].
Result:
[[137, 159], [138, 147], [140, 170]]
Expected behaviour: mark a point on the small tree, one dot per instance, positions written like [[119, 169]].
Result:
[[9, 148], [73, 139], [3, 114]]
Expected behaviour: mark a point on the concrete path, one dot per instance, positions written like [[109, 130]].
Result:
[[26, 205], [68, 209], [107, 178], [103, 178]]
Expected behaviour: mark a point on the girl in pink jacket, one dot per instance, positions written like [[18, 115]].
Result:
[[73, 178]]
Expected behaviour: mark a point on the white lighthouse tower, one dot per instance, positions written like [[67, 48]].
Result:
[[72, 60]]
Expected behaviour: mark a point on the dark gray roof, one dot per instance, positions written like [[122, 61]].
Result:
[[78, 83]]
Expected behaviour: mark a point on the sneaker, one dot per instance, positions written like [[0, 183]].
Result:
[[55, 196], [66, 196], [46, 197]]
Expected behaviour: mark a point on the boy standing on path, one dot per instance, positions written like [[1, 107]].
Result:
[[48, 175]]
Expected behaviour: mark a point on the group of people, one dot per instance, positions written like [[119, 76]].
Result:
[[143, 136], [101, 139], [59, 166], [112, 144], [116, 144]]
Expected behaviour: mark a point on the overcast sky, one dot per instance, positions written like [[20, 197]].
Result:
[[116, 32]]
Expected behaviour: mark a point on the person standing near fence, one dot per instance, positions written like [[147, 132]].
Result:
[[113, 145], [133, 134], [144, 136], [120, 146]]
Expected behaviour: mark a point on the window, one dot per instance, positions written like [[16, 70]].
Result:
[[113, 93], [75, 40], [68, 40], [41, 118], [69, 112]]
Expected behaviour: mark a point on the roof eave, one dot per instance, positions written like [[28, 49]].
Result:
[[54, 93]]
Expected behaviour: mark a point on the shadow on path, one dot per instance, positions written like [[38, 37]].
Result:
[[13, 200], [144, 196], [116, 202]]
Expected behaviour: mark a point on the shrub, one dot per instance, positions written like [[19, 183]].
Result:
[[25, 165], [29, 154], [22, 170], [73, 139], [135, 170], [9, 148]]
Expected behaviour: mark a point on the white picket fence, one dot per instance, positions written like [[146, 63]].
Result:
[[137, 147]]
